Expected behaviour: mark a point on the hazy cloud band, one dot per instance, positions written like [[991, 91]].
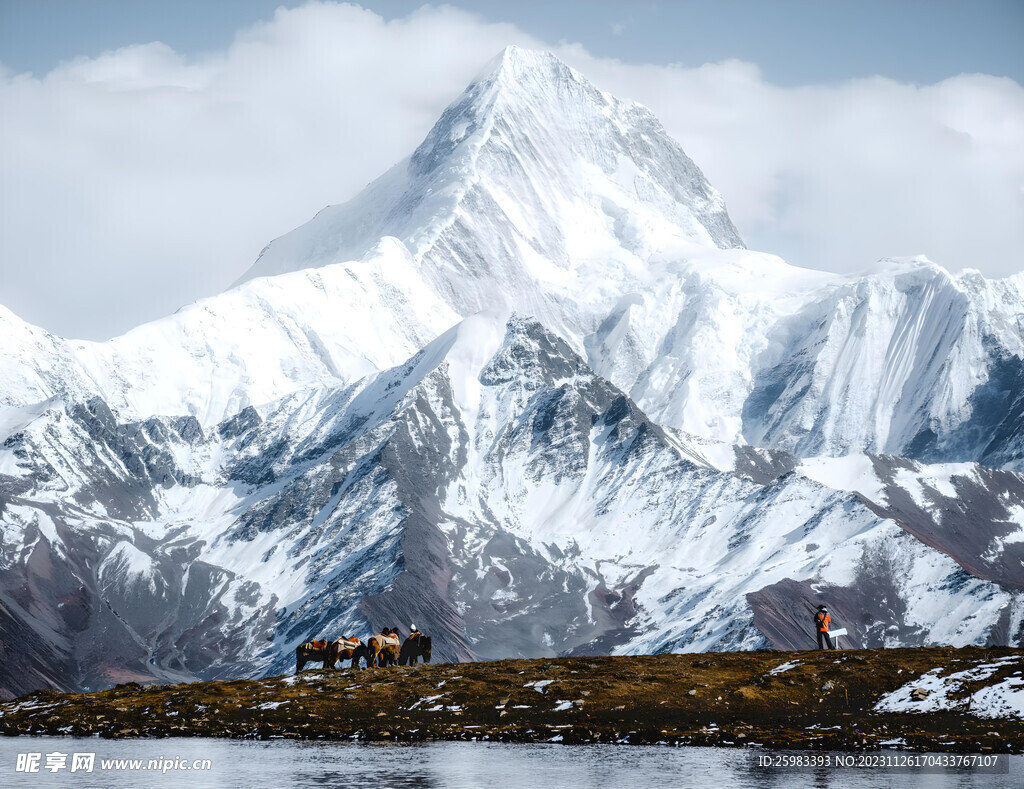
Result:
[[140, 180]]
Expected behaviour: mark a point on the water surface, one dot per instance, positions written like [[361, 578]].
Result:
[[455, 765]]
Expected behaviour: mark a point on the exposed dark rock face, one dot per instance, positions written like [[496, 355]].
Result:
[[89, 598], [763, 465], [970, 526], [871, 609], [519, 505]]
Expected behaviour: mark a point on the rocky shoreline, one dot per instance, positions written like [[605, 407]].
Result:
[[936, 699]]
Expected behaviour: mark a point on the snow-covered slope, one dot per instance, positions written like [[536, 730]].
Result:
[[968, 511], [492, 488], [532, 178], [529, 391], [910, 361], [539, 193], [253, 344]]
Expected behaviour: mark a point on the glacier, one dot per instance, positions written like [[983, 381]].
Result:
[[529, 390]]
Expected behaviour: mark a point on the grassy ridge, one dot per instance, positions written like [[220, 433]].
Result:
[[824, 701]]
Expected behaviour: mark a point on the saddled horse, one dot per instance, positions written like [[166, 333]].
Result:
[[327, 652], [416, 646], [342, 649], [311, 651], [382, 649]]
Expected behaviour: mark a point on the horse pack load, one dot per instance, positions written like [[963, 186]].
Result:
[[383, 649], [328, 652]]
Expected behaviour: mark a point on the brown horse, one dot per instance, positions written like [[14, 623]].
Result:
[[382, 649], [416, 645], [311, 651], [327, 652], [342, 649]]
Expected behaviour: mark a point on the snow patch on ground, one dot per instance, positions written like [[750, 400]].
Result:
[[1001, 700]]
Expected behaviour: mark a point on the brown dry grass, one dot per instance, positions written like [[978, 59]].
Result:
[[703, 699]]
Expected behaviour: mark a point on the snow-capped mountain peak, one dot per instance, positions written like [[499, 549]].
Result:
[[548, 168], [498, 393]]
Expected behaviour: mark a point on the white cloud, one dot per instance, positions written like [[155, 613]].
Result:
[[838, 176], [141, 179]]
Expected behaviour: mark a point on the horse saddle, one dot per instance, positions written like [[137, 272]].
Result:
[[388, 641]]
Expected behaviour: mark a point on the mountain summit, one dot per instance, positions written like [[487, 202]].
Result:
[[531, 164], [539, 194]]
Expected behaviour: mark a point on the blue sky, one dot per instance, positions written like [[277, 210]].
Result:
[[793, 41], [155, 147]]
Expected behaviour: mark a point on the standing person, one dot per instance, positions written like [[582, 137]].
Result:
[[822, 619]]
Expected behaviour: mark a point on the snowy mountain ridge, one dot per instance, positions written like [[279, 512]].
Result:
[[491, 486], [529, 390], [536, 192], [734, 346]]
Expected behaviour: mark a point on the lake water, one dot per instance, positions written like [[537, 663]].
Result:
[[237, 763]]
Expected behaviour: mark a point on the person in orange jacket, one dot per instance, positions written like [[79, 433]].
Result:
[[822, 618]]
